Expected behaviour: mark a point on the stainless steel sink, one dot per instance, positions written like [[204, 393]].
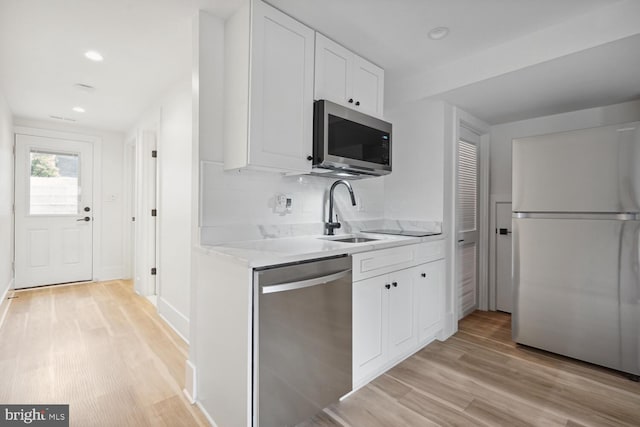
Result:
[[354, 240]]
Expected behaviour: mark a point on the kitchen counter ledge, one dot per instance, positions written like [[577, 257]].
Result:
[[267, 252]]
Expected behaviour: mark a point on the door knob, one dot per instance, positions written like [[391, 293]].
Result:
[[357, 102], [86, 219], [395, 284], [350, 100], [87, 208], [388, 286], [423, 274]]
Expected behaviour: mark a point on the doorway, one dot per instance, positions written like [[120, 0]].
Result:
[[469, 213], [144, 205], [54, 216], [467, 219]]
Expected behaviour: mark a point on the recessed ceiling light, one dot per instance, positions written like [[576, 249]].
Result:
[[93, 55], [78, 109], [438, 33], [84, 87], [66, 119]]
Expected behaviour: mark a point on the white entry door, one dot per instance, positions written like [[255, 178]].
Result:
[[54, 211], [467, 227]]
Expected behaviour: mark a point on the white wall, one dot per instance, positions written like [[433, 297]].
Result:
[[171, 119], [415, 188], [6, 198], [174, 207], [502, 135], [109, 261], [240, 205]]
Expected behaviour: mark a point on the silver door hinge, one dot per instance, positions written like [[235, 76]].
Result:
[[153, 271], [154, 212], [154, 153]]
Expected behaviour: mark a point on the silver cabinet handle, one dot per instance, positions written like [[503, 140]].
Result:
[[305, 283]]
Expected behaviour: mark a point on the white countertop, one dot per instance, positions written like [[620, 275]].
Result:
[[265, 252]]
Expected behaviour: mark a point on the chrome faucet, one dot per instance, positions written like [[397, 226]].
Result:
[[330, 225]]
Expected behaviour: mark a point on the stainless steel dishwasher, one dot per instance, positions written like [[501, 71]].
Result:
[[301, 339]]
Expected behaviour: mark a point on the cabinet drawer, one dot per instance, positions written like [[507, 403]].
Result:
[[375, 263], [431, 251]]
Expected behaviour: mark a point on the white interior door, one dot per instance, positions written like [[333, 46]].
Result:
[[54, 211], [504, 283], [467, 227], [145, 253]]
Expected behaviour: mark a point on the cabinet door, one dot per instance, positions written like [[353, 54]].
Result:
[[429, 288], [368, 87], [402, 326], [281, 94], [333, 71], [370, 326]]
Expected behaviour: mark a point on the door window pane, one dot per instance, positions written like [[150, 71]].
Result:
[[54, 187]]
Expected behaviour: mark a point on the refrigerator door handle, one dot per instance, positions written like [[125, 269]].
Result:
[[622, 216]]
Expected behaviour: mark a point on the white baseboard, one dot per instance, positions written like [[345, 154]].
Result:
[[176, 320], [5, 302], [190, 389], [206, 414]]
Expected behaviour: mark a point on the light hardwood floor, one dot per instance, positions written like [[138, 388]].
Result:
[[100, 348], [104, 350], [479, 377]]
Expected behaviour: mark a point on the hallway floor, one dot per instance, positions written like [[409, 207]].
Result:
[[100, 348]]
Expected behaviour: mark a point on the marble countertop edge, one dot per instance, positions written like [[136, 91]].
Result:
[[276, 251]]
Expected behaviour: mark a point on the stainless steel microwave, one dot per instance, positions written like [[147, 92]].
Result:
[[349, 143]]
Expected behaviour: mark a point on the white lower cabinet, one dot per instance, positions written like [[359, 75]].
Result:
[[429, 289], [370, 326], [395, 314], [402, 325]]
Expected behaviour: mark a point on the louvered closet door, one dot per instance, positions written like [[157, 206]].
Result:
[[467, 221]]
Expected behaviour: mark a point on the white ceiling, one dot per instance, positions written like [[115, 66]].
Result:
[[603, 75], [147, 47], [394, 34]]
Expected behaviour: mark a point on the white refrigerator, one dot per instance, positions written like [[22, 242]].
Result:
[[576, 229]]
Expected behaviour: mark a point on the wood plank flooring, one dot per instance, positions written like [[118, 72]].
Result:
[[479, 377], [100, 348], [104, 350]]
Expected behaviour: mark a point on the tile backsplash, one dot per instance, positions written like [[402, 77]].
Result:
[[240, 205]]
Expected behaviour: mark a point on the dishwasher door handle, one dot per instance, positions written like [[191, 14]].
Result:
[[305, 283]]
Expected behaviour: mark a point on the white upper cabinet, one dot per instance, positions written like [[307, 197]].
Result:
[[269, 65], [347, 79]]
